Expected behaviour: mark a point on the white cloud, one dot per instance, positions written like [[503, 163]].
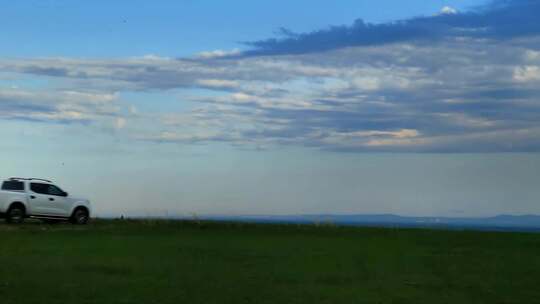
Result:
[[120, 123], [218, 54], [465, 120], [57, 106], [527, 73], [532, 55], [447, 10], [404, 133], [372, 138], [218, 83], [397, 96]]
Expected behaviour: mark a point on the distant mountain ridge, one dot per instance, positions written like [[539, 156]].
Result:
[[499, 222]]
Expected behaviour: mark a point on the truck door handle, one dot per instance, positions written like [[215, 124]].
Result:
[[32, 197], [51, 199]]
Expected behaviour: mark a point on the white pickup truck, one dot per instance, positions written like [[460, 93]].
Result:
[[21, 198]]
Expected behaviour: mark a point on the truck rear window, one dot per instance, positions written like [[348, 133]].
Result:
[[13, 186]]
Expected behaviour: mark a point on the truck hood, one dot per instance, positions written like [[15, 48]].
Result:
[[78, 199]]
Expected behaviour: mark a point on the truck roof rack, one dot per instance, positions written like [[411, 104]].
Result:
[[38, 179]]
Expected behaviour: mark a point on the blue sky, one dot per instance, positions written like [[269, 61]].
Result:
[[179, 28], [276, 107]]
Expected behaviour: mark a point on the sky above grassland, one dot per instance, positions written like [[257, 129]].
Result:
[[276, 107]]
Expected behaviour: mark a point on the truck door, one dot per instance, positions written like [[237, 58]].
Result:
[[47, 199]]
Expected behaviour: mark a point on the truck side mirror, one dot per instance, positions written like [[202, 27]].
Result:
[[65, 194]]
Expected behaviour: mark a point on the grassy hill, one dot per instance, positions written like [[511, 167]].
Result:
[[193, 262]]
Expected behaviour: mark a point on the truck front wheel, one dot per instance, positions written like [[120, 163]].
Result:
[[80, 216], [15, 214]]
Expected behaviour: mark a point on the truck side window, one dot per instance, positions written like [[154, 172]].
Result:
[[13, 186], [39, 188], [53, 190], [46, 189]]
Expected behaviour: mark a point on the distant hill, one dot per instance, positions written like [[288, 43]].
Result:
[[500, 222]]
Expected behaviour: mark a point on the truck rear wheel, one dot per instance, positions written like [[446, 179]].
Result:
[[15, 214]]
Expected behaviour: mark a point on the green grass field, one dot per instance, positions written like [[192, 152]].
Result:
[[183, 262]]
